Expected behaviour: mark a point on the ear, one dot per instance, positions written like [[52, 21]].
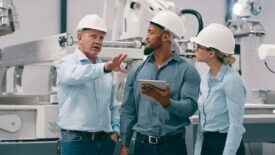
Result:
[[79, 36], [166, 36], [212, 53]]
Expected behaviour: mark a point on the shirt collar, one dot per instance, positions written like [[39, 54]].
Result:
[[82, 57], [174, 56], [220, 74]]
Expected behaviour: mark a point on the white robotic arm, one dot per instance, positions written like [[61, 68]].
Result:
[[136, 13], [266, 52], [8, 17], [244, 25], [247, 8]]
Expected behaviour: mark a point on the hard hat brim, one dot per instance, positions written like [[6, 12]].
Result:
[[197, 40]]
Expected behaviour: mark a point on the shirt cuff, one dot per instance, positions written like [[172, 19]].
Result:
[[124, 141], [106, 71], [170, 106], [101, 68], [116, 129]]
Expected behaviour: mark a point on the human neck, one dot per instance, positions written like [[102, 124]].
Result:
[[91, 57], [215, 67], [161, 55]]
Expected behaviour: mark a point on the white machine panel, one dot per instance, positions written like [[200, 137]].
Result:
[[22, 122]]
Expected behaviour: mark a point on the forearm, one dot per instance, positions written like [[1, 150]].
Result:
[[73, 74], [115, 120], [128, 120], [187, 105], [233, 140], [183, 108]]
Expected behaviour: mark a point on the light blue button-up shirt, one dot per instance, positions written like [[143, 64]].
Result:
[[86, 95], [221, 108], [151, 118]]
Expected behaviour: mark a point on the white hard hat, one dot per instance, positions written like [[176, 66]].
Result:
[[216, 36], [92, 22], [170, 21]]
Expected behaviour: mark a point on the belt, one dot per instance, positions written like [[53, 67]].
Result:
[[160, 140], [215, 133], [97, 136]]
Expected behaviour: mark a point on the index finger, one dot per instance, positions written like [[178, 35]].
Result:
[[122, 58]]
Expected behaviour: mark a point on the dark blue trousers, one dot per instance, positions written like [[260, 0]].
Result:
[[143, 147], [214, 142]]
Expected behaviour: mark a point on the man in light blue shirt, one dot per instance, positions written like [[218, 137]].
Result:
[[88, 111], [160, 124], [222, 95]]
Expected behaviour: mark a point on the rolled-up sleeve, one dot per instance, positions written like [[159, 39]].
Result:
[[187, 105], [115, 117]]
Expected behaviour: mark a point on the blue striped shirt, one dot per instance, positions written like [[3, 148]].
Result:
[[221, 108], [86, 95], [151, 118]]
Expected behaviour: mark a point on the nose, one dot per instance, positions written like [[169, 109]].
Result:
[[147, 36], [98, 41]]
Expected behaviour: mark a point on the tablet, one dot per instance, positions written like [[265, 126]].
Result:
[[161, 84]]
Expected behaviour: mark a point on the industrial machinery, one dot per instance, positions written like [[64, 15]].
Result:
[[257, 115], [267, 52], [8, 17], [28, 95], [244, 25], [28, 99], [28, 103], [259, 109]]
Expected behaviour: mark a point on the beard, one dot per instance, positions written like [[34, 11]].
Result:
[[148, 50]]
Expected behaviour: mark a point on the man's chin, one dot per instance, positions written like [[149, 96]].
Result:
[[95, 51]]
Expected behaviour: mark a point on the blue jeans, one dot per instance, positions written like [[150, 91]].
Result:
[[75, 143], [143, 147]]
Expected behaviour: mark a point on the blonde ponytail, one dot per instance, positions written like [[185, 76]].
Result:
[[226, 59], [229, 59]]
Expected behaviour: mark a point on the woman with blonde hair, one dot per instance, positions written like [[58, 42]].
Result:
[[222, 94]]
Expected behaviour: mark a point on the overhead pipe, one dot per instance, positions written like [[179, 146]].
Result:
[[63, 16]]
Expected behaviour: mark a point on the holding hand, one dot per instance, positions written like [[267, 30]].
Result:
[[159, 94], [115, 63]]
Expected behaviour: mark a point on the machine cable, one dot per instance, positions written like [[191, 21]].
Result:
[[266, 65]]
